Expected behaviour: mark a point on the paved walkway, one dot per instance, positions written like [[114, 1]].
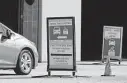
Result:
[[87, 72]]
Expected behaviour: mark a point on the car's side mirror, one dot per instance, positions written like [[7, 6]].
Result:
[[1, 34], [8, 33]]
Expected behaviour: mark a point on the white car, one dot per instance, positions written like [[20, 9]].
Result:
[[16, 52]]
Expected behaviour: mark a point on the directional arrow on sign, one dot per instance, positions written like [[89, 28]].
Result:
[[62, 37]]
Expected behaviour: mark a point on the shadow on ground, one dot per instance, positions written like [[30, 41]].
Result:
[[14, 76], [60, 76], [100, 63]]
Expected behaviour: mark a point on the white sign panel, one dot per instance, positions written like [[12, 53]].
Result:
[[112, 42], [61, 44]]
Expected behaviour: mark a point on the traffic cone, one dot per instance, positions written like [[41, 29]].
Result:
[[108, 71]]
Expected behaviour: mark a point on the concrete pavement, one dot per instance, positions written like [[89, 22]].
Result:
[[87, 72]]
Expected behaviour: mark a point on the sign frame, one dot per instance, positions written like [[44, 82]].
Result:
[[73, 43], [120, 50]]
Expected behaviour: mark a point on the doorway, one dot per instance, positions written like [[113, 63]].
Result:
[[96, 14]]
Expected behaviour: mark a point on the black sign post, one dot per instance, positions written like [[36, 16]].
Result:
[[61, 44]]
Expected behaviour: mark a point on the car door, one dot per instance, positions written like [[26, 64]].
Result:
[[7, 49]]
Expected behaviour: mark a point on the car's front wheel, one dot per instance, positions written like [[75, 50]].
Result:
[[24, 64]]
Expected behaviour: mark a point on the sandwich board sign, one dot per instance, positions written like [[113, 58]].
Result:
[[112, 42], [61, 44]]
